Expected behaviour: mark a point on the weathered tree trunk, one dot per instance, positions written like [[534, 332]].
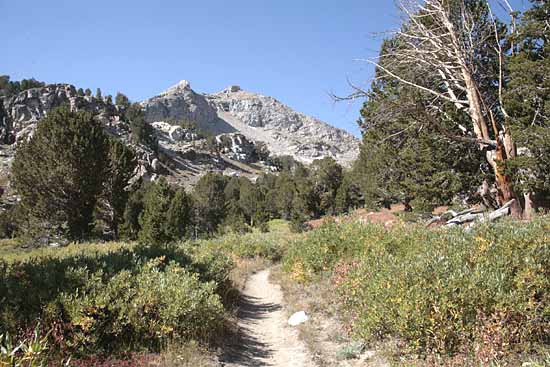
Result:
[[504, 150], [529, 206]]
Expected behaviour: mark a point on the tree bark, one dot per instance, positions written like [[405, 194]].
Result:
[[529, 206], [504, 150]]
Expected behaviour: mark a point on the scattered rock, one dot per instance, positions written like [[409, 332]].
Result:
[[298, 318]]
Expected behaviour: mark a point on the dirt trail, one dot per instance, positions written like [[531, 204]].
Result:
[[265, 338]]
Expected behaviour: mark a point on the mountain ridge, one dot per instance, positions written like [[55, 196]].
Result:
[[259, 117]]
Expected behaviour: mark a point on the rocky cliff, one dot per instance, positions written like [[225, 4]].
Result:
[[19, 113], [259, 118]]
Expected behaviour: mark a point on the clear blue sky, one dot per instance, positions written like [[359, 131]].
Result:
[[296, 51]]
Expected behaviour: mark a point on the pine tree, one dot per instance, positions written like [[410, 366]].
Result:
[[527, 98], [210, 205], [80, 92], [349, 195], [411, 154], [326, 178], [130, 227], [284, 194], [122, 101], [88, 92], [152, 221], [179, 218], [120, 168], [59, 172], [251, 202], [98, 94], [142, 132]]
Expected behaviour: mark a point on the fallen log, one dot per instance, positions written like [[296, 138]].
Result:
[[471, 216]]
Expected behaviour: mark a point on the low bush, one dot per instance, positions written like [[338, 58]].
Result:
[[320, 250], [485, 291], [159, 303], [269, 246], [111, 297]]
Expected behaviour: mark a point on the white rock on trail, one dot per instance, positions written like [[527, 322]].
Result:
[[298, 318]]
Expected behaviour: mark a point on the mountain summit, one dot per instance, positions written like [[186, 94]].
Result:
[[259, 118]]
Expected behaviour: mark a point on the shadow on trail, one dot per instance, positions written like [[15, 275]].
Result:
[[245, 348]]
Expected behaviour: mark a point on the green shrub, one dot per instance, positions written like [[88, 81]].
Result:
[[440, 291], [33, 284], [146, 309], [251, 245], [319, 250]]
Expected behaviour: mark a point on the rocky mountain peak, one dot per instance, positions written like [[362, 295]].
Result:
[[257, 117], [232, 89], [182, 86]]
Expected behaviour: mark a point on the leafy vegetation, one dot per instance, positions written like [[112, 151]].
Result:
[[483, 292], [113, 299]]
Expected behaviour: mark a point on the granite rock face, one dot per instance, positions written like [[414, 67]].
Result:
[[237, 147], [283, 130], [179, 103], [256, 117], [175, 133], [22, 111]]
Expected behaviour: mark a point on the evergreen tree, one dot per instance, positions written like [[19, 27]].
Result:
[[59, 172], [142, 132], [233, 211], [284, 195], [80, 92], [349, 195], [122, 101], [98, 94], [88, 92], [210, 206], [152, 221], [267, 183], [130, 227], [326, 178], [298, 217], [179, 218], [527, 102], [251, 202], [413, 153], [9, 88], [120, 168]]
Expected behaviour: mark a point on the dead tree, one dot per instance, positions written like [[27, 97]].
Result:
[[444, 39]]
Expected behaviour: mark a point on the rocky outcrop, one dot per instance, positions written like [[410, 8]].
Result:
[[180, 103], [238, 147], [6, 135], [174, 133], [257, 118], [26, 108], [285, 131]]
